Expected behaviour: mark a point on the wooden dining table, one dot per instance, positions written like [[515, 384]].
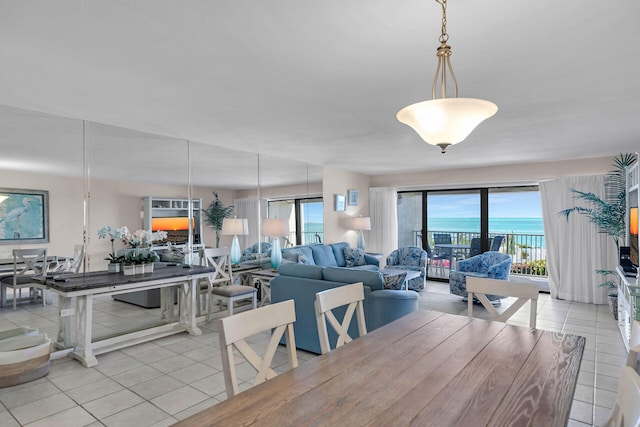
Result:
[[425, 369]]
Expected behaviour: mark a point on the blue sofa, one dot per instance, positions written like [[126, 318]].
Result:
[[491, 265], [331, 255], [301, 283]]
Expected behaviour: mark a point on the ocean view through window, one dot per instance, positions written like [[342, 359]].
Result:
[[509, 219]]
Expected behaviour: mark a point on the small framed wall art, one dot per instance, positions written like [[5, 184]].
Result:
[[352, 197], [339, 203]]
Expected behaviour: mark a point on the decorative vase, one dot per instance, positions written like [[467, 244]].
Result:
[[129, 269], [148, 267], [114, 267]]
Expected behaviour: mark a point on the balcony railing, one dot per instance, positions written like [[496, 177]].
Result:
[[528, 251]]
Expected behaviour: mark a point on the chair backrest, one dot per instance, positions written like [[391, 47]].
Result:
[[29, 262], [626, 411], [349, 295], [480, 287], [475, 246], [633, 360], [217, 258], [235, 329], [77, 258], [496, 243], [444, 238]]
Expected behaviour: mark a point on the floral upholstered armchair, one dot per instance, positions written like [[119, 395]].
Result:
[[410, 258], [492, 265]]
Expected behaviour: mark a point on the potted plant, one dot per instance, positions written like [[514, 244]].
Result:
[[112, 234], [608, 214], [215, 214]]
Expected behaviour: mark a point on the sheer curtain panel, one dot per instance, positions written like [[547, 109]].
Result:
[[383, 210], [575, 248]]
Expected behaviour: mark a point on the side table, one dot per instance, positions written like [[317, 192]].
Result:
[[263, 278], [242, 273]]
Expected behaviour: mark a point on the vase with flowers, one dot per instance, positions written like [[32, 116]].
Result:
[[112, 233]]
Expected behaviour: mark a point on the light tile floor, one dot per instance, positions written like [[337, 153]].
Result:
[[163, 381]]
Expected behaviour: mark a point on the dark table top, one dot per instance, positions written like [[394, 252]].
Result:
[[67, 282]]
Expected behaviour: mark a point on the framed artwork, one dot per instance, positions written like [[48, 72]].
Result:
[[339, 203], [352, 197], [24, 216]]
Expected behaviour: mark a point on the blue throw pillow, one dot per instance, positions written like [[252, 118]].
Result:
[[354, 257]]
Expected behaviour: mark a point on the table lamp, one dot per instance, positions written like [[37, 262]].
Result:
[[235, 227], [360, 224], [276, 228]]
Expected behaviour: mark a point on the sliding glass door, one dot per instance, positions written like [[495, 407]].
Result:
[[456, 224]]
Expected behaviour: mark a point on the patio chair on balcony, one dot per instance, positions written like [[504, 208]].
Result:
[[495, 243], [475, 247], [436, 261]]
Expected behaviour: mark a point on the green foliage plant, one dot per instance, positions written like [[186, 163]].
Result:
[[215, 215]]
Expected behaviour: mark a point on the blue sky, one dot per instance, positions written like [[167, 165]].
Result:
[[525, 204]]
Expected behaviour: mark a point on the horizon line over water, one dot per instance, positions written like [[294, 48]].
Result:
[[496, 225]]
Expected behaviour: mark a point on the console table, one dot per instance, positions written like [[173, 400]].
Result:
[[83, 287], [628, 304]]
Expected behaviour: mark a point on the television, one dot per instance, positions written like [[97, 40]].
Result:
[[633, 236], [177, 228]]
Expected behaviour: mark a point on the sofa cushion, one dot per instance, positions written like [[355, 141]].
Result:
[[293, 254], [353, 257], [338, 252], [323, 255], [373, 279], [303, 271]]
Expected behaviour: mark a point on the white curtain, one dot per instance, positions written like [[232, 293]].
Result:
[[253, 211], [575, 248], [383, 210]]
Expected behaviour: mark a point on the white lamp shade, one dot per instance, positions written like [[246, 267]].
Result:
[[235, 227], [275, 227], [361, 223], [446, 120]]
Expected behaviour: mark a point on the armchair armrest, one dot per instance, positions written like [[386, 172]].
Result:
[[371, 260]]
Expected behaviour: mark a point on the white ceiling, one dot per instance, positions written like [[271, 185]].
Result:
[[320, 82]]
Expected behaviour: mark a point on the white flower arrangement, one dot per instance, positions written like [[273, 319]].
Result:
[[112, 234], [142, 237]]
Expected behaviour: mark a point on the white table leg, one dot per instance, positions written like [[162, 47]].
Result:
[[84, 316], [188, 304], [167, 303], [65, 313]]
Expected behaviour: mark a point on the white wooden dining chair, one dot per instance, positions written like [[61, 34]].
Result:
[[72, 264], [234, 330], [626, 411], [28, 266], [633, 360], [481, 287], [351, 296], [218, 258]]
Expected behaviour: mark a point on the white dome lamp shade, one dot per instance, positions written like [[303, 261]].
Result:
[[445, 121]]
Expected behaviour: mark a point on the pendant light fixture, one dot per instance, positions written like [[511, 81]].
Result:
[[445, 121]]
